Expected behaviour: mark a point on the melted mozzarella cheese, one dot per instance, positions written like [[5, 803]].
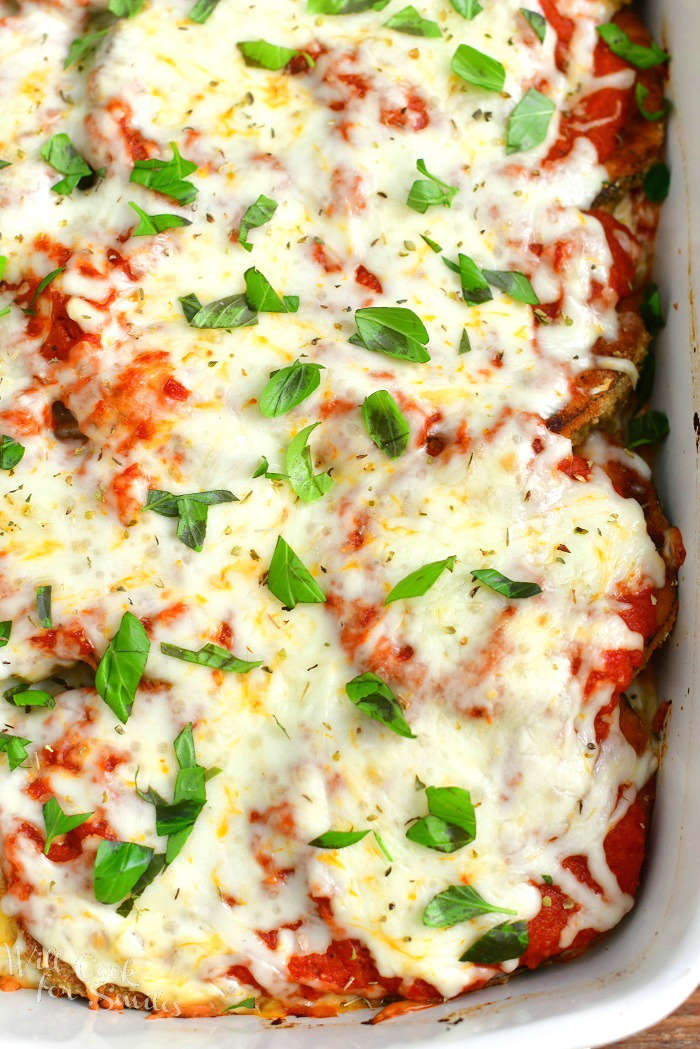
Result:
[[490, 688]]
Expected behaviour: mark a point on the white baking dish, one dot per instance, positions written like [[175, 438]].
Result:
[[652, 962]]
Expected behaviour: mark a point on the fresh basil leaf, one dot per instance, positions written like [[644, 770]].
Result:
[[500, 944], [467, 8], [636, 54], [338, 839], [178, 816], [344, 7], [475, 287], [11, 451], [264, 55], [5, 631], [43, 606], [536, 21], [529, 122], [230, 312], [514, 284], [502, 585], [288, 387], [437, 834], [385, 423], [154, 868], [373, 697], [16, 749], [657, 182], [41, 286], [408, 20], [650, 310], [392, 330], [290, 581], [648, 428], [465, 345], [24, 696], [57, 823], [261, 296], [458, 903], [183, 745], [478, 69], [202, 10], [60, 154], [432, 244], [263, 470], [168, 177], [5, 164], [451, 823], [213, 656], [118, 867], [175, 820], [192, 522], [641, 93], [163, 503], [429, 192], [246, 1003], [417, 583], [83, 46], [3, 263], [125, 8], [151, 224], [305, 483], [122, 665], [254, 216]]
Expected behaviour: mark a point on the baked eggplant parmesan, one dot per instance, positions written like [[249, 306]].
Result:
[[331, 558]]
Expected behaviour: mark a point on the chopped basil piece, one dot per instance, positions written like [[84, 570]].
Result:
[[83, 46], [261, 296], [450, 823], [155, 866], [392, 330], [641, 93], [338, 839], [5, 631], [246, 1003], [529, 122], [211, 655], [648, 428], [465, 345], [265, 56], [125, 8], [151, 224], [191, 509], [467, 8], [502, 585], [57, 823], [432, 244], [548, 879], [15, 747], [289, 579], [478, 69], [254, 216], [500, 944], [24, 696], [175, 820], [41, 286], [202, 10], [122, 665], [306, 484], [11, 451], [288, 387], [651, 311], [475, 287], [647, 374], [514, 284], [536, 21], [417, 583], [657, 182], [429, 192], [230, 312], [344, 7], [385, 423], [168, 177], [3, 263], [636, 54], [373, 697], [263, 470], [60, 154], [408, 20], [118, 867], [5, 164], [458, 903], [43, 606]]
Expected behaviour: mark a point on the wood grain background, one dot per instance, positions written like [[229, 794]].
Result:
[[680, 1031]]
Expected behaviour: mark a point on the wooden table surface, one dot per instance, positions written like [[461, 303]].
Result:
[[680, 1031]]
